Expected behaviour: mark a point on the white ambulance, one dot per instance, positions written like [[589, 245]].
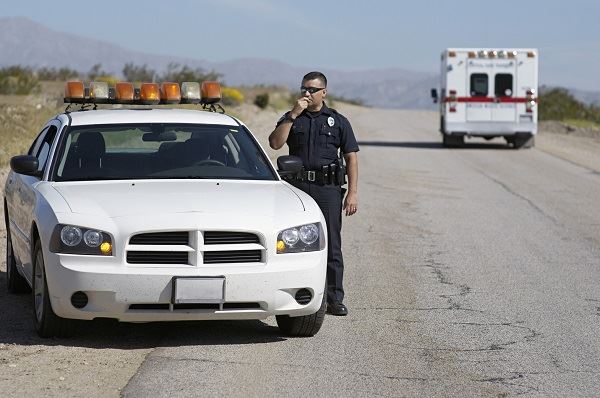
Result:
[[488, 93]]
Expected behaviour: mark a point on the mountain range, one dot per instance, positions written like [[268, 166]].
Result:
[[28, 43]]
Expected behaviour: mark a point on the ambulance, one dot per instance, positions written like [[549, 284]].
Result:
[[488, 93]]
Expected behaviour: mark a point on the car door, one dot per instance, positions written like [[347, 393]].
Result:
[[25, 196]]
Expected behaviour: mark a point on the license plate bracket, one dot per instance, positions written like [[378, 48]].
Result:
[[198, 290]]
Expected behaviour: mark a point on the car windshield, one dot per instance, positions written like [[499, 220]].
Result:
[[153, 151]]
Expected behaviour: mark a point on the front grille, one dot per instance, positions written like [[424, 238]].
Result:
[[226, 238], [160, 238], [233, 256], [143, 257]]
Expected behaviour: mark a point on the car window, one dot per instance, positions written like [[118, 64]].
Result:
[[151, 151], [35, 147], [44, 150]]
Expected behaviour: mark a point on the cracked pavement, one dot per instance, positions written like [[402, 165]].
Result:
[[469, 272]]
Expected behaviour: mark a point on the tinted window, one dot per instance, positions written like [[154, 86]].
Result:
[[151, 151], [503, 85], [479, 85]]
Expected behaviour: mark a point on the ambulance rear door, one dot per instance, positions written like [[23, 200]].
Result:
[[477, 102], [504, 108]]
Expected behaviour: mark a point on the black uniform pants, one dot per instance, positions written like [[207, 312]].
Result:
[[329, 198]]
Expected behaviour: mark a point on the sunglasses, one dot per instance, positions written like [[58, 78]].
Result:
[[311, 90]]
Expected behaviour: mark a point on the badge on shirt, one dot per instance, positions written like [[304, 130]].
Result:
[[330, 121]]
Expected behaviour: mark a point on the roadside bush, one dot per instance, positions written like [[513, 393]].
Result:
[[18, 80], [559, 104], [56, 74], [262, 100], [231, 96], [135, 73], [178, 74]]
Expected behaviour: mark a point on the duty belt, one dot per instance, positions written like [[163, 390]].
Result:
[[329, 174]]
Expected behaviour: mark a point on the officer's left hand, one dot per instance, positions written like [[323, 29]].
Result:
[[351, 203]]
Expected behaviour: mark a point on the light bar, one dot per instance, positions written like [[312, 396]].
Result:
[[74, 92], [170, 93], [190, 92], [211, 92], [124, 93], [149, 94]]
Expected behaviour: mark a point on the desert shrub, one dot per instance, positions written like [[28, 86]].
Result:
[[135, 73], [262, 100], [56, 74], [231, 96], [18, 80], [178, 74]]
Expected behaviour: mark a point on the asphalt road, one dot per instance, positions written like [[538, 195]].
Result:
[[469, 272]]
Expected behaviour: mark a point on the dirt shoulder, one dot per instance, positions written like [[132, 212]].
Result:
[[579, 146]]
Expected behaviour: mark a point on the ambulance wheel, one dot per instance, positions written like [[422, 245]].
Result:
[[453, 141], [523, 140]]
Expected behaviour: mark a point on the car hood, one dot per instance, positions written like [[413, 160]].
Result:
[[129, 198]]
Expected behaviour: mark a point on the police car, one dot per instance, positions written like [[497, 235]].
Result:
[[155, 214]]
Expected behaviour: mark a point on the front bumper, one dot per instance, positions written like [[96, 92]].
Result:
[[132, 293]]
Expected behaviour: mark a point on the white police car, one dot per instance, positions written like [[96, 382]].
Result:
[[160, 215]]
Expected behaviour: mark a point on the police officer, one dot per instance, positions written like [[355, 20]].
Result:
[[320, 136]]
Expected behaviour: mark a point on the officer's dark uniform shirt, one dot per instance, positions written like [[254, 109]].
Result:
[[316, 136]]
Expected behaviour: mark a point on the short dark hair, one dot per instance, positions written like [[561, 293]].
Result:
[[315, 75]]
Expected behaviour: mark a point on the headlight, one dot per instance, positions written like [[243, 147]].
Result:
[[72, 239], [303, 238]]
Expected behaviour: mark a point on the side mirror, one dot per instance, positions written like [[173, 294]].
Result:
[[434, 95], [25, 164], [289, 165]]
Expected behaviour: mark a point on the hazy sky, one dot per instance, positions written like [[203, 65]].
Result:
[[348, 34]]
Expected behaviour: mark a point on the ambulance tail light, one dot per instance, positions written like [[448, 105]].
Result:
[[74, 92], [190, 93], [170, 93], [99, 92], [149, 94], [124, 93], [530, 101], [211, 92], [452, 101]]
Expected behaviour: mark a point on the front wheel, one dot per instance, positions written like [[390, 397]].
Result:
[[303, 326], [47, 323]]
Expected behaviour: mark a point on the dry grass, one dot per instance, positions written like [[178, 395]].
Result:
[[22, 117]]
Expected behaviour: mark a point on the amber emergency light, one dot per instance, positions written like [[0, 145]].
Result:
[[74, 92], [124, 93], [149, 94], [170, 93], [211, 92]]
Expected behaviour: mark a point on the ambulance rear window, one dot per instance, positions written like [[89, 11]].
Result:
[[503, 85], [479, 85]]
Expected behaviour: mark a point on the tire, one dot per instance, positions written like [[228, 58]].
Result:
[[303, 326], [14, 281], [453, 141], [523, 140], [47, 323]]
